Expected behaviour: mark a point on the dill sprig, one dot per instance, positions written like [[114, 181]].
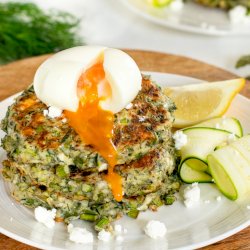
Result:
[[26, 30]]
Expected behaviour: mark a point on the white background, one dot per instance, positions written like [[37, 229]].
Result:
[[110, 23]]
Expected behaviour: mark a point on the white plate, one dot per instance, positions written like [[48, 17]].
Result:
[[187, 228], [193, 18]]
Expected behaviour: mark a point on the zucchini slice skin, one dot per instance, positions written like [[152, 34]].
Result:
[[201, 142], [230, 124]]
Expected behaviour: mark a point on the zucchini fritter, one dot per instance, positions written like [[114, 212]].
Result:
[[34, 138], [48, 164]]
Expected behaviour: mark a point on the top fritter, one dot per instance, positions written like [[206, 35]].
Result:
[[33, 137]]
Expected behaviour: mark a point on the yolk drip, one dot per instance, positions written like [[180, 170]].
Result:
[[95, 125]]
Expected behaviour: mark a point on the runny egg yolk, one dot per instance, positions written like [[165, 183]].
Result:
[[95, 125]]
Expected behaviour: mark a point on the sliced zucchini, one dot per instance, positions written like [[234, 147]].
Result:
[[190, 173], [200, 142], [243, 147], [226, 123], [231, 171]]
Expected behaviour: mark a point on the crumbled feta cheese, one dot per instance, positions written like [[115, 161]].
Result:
[[176, 5], [54, 112], [180, 139], [45, 216], [104, 235], [79, 235], [64, 120], [231, 138], [155, 229], [238, 15], [129, 106], [207, 201], [191, 195], [248, 207], [218, 198]]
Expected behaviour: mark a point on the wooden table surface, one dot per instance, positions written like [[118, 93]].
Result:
[[14, 77]]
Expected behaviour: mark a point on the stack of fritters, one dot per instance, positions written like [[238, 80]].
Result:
[[49, 165]]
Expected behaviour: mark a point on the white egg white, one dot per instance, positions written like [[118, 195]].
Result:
[[55, 82]]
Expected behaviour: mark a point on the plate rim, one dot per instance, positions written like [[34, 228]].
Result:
[[191, 246]]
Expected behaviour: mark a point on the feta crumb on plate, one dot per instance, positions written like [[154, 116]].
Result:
[[176, 5], [104, 235], [155, 229], [180, 139], [191, 195], [45, 216], [238, 15], [79, 235]]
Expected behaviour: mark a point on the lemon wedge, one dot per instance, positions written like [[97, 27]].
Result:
[[199, 102]]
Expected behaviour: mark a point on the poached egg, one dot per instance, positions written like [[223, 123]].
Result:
[[90, 84]]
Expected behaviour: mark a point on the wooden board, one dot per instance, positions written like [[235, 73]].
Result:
[[14, 77]]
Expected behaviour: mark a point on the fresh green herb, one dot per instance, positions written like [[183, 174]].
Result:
[[26, 30], [89, 215], [124, 121], [86, 188], [62, 171], [157, 201], [102, 223], [169, 199], [133, 213], [243, 61]]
